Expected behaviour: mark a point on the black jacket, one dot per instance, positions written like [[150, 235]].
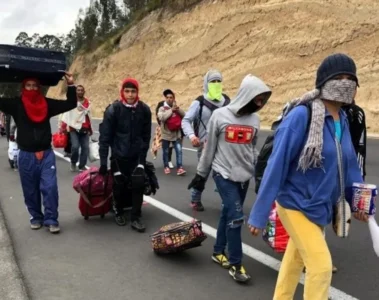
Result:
[[357, 125], [34, 137], [127, 131]]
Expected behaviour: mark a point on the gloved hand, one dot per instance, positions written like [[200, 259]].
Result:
[[103, 170], [198, 183], [138, 177]]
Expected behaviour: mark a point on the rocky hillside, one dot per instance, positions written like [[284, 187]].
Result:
[[281, 41]]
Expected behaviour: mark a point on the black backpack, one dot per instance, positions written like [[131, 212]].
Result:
[[210, 106], [266, 150]]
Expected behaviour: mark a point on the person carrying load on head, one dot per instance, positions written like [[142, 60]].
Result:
[[36, 160]]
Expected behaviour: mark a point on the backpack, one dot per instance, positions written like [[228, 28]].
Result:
[[210, 106], [174, 123], [266, 150]]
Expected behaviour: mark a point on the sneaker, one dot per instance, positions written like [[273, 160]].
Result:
[[198, 206], [36, 226], [54, 229], [138, 225], [73, 168], [120, 220], [170, 165], [82, 169], [181, 171], [239, 274], [221, 259], [167, 171]]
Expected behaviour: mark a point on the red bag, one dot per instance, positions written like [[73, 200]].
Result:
[[60, 140], [174, 123], [275, 234], [95, 192]]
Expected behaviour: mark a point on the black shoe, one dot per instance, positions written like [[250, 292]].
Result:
[[198, 206], [239, 274], [120, 220], [138, 225]]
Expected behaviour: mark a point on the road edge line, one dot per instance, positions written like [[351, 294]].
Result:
[[12, 285], [255, 254]]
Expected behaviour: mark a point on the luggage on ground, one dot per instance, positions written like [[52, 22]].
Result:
[[18, 63], [95, 192], [178, 237]]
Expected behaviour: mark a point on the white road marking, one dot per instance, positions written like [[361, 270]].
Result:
[[259, 256]]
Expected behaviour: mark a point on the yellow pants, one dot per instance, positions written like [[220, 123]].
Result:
[[306, 247]]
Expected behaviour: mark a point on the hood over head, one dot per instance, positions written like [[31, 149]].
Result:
[[131, 83], [211, 75], [251, 86]]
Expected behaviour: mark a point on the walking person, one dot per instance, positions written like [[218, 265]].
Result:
[[126, 129], [231, 153], [36, 160], [159, 132], [77, 123], [313, 159], [170, 116], [195, 121]]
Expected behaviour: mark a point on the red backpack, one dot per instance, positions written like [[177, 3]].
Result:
[[174, 123]]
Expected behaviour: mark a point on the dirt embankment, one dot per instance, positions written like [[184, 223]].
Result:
[[281, 41]]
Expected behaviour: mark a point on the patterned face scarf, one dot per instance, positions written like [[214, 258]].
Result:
[[342, 91]]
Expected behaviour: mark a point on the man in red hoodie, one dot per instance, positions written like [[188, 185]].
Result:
[[78, 123], [126, 129]]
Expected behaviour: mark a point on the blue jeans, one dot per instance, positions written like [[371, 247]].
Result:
[[178, 150], [39, 185], [79, 141], [233, 196]]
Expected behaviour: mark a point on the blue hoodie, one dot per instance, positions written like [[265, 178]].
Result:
[[314, 192]]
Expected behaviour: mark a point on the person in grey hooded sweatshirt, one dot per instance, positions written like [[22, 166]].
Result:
[[230, 151], [195, 121]]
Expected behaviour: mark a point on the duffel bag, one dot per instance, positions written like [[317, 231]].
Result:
[[178, 237], [18, 63]]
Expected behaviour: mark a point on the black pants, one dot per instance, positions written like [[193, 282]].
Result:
[[67, 149], [123, 195]]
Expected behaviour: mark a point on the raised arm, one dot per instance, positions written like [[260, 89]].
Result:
[[57, 107]]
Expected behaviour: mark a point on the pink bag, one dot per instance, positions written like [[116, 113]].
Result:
[[90, 182]]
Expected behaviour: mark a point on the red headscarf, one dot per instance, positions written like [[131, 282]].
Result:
[[34, 102], [133, 82]]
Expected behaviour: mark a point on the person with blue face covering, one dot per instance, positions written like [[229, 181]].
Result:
[[195, 121]]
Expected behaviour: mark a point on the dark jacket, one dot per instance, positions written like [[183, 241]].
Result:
[[127, 131], [31, 136], [357, 125]]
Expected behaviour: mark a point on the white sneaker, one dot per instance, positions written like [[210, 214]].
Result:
[[36, 226], [170, 165], [54, 229]]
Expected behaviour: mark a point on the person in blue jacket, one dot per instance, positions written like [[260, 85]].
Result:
[[309, 167]]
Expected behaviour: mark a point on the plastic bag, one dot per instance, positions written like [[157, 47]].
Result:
[[12, 150], [274, 234], [60, 140], [93, 151]]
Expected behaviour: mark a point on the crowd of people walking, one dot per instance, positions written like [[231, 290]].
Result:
[[319, 149]]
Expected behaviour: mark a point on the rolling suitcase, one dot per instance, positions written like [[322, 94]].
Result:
[[95, 193], [18, 63]]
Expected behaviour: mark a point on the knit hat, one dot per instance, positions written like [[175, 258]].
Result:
[[333, 65]]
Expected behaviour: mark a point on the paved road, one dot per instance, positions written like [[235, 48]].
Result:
[[96, 259]]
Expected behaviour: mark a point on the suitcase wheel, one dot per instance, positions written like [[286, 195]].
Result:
[[86, 218], [102, 216]]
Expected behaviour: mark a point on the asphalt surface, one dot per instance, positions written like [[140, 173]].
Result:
[[96, 259]]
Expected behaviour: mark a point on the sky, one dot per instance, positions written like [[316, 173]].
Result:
[[37, 16]]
